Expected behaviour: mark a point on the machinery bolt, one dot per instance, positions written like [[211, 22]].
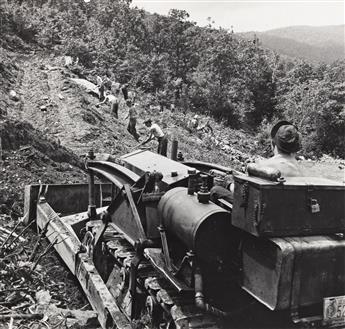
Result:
[[180, 156], [190, 253], [204, 194]]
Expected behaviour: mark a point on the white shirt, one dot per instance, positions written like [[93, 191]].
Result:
[[112, 99], [156, 131]]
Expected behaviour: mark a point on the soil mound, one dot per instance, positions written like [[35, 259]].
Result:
[[16, 134], [27, 157]]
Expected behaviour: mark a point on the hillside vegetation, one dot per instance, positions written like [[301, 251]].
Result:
[[173, 61]]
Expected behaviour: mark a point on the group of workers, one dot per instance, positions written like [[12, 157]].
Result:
[[285, 141], [112, 96]]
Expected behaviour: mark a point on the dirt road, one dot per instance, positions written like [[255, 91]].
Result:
[[64, 111]]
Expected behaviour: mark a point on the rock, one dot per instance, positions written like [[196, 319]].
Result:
[[13, 95], [63, 88], [53, 68], [43, 297], [104, 157], [68, 60]]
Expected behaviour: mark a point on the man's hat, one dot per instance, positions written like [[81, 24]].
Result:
[[278, 125], [148, 121], [286, 137]]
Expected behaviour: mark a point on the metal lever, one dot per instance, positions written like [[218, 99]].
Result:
[[165, 247]]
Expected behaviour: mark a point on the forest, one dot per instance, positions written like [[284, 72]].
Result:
[[201, 69]]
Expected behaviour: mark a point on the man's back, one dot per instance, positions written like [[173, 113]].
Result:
[[132, 112], [285, 163], [156, 131], [112, 99]]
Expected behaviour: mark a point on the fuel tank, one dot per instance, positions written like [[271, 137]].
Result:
[[201, 227], [293, 271]]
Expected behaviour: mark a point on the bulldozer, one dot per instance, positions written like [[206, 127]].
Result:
[[151, 250]]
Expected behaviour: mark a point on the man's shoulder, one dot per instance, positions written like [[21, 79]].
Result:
[[270, 160], [288, 166]]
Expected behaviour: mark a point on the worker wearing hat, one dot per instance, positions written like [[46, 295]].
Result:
[[195, 121], [285, 142], [156, 132]]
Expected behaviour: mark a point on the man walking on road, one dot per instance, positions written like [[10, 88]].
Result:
[[156, 132], [124, 90], [132, 114], [101, 88]]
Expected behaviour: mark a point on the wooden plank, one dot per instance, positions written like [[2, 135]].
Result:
[[101, 300], [68, 244]]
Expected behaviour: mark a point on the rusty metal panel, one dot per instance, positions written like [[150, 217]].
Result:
[[63, 198], [115, 173], [267, 271], [298, 206], [320, 263], [293, 272], [124, 216], [143, 161]]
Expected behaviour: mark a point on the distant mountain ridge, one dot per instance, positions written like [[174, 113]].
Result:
[[313, 43]]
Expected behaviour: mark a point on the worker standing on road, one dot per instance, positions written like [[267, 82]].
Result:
[[156, 132], [195, 122], [132, 114], [124, 90], [115, 87], [101, 88], [113, 102]]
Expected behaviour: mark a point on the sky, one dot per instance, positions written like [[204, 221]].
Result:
[[255, 15]]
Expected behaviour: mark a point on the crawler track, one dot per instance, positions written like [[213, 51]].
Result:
[[158, 301]]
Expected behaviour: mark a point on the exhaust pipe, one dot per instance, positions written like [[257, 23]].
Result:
[[174, 147], [199, 296]]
